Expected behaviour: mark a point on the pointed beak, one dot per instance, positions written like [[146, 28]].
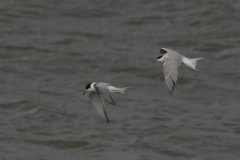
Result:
[[154, 61], [84, 92]]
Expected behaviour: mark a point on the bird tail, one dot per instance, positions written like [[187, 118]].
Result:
[[191, 62], [123, 89], [119, 90]]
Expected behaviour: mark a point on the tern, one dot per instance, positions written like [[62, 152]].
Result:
[[172, 61], [100, 91]]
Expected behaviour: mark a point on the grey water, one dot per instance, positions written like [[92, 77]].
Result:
[[50, 50]]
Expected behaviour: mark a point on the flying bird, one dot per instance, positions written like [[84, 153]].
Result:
[[172, 61], [100, 91]]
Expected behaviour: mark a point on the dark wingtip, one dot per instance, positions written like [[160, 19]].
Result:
[[108, 121], [113, 103], [170, 90]]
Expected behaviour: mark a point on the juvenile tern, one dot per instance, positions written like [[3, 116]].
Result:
[[98, 91], [172, 60]]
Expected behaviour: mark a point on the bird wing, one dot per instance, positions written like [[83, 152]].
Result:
[[98, 103], [103, 90], [170, 71]]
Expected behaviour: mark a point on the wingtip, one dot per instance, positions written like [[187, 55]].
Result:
[[170, 90], [114, 103]]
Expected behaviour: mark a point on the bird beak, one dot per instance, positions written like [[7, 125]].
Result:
[[84, 92], [154, 61]]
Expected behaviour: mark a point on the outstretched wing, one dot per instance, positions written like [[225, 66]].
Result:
[[102, 89], [170, 79], [98, 103], [170, 72]]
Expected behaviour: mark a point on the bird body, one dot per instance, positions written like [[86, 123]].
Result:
[[172, 61], [100, 91]]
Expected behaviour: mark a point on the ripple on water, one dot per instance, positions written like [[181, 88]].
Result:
[[60, 144]]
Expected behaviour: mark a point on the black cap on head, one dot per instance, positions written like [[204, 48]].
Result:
[[163, 51], [88, 85]]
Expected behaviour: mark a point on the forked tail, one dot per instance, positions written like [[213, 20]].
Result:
[[123, 89], [191, 62]]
